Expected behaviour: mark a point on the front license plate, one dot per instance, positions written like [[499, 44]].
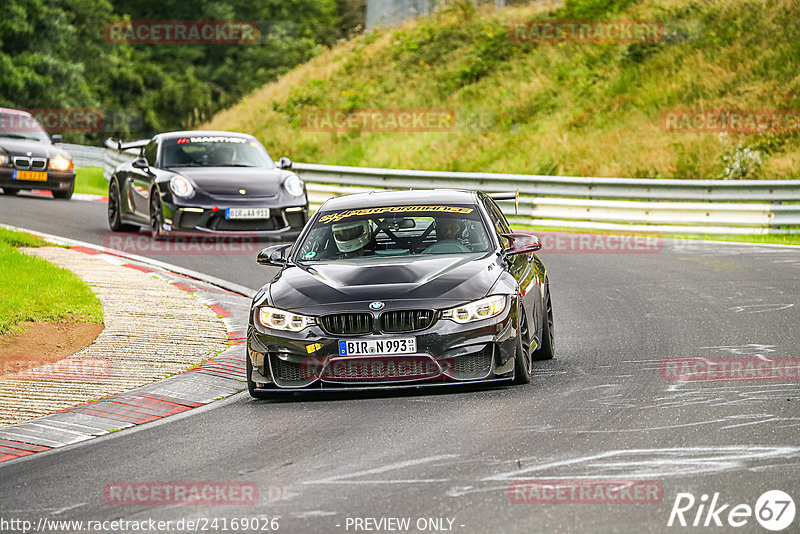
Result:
[[32, 176], [406, 345], [247, 213]]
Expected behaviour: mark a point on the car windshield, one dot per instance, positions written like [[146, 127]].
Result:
[[215, 151], [394, 231], [16, 126]]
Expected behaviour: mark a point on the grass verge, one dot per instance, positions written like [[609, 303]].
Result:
[[90, 181], [532, 106], [33, 289]]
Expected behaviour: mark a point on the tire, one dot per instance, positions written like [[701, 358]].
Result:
[[251, 386], [115, 209], [156, 216], [10, 192], [65, 195], [523, 358], [547, 349]]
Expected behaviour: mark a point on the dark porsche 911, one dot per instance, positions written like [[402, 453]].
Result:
[[400, 289], [214, 183]]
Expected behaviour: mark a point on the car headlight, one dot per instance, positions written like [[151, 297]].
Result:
[[181, 186], [293, 185], [283, 320], [60, 163], [477, 310], [4, 160]]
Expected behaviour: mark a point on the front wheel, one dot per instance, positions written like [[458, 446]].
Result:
[[156, 216], [66, 194], [546, 350], [522, 361], [251, 386], [115, 209]]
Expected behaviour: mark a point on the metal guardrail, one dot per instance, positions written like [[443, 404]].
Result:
[[630, 204], [85, 156], [623, 204]]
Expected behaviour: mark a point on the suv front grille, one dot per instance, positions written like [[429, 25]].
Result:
[[406, 320], [347, 324]]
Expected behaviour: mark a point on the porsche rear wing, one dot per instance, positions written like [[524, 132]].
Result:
[[507, 195], [132, 144]]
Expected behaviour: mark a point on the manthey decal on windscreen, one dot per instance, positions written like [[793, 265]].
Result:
[[337, 216], [215, 139]]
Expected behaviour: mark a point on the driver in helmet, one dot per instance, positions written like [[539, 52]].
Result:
[[352, 237], [449, 228]]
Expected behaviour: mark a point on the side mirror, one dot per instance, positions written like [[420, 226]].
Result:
[[284, 163], [56, 138], [141, 163], [273, 256], [522, 243]]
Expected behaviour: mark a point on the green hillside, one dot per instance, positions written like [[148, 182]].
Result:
[[568, 108]]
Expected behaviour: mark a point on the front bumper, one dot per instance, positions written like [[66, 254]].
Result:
[[446, 353], [283, 221], [56, 180]]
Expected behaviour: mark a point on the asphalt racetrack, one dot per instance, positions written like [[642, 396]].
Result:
[[605, 410]]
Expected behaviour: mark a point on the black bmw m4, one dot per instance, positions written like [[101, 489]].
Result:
[[400, 289]]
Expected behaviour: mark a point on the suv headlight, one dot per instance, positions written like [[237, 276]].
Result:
[[4, 160], [181, 187], [283, 320], [60, 163], [293, 185], [477, 310]]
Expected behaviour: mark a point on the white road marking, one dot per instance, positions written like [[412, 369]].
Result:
[[650, 463], [313, 513], [54, 511], [343, 479], [760, 308]]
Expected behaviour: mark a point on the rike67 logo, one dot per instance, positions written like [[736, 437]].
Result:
[[774, 510]]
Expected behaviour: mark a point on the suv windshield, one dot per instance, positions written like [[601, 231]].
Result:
[[17, 126], [215, 151], [394, 231]]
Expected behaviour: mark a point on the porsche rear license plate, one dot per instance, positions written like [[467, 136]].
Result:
[[32, 176], [247, 213], [406, 345]]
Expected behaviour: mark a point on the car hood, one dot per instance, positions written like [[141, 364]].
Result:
[[446, 279], [225, 181], [37, 149]]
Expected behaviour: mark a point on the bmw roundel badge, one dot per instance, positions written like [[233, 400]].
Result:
[[377, 305]]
